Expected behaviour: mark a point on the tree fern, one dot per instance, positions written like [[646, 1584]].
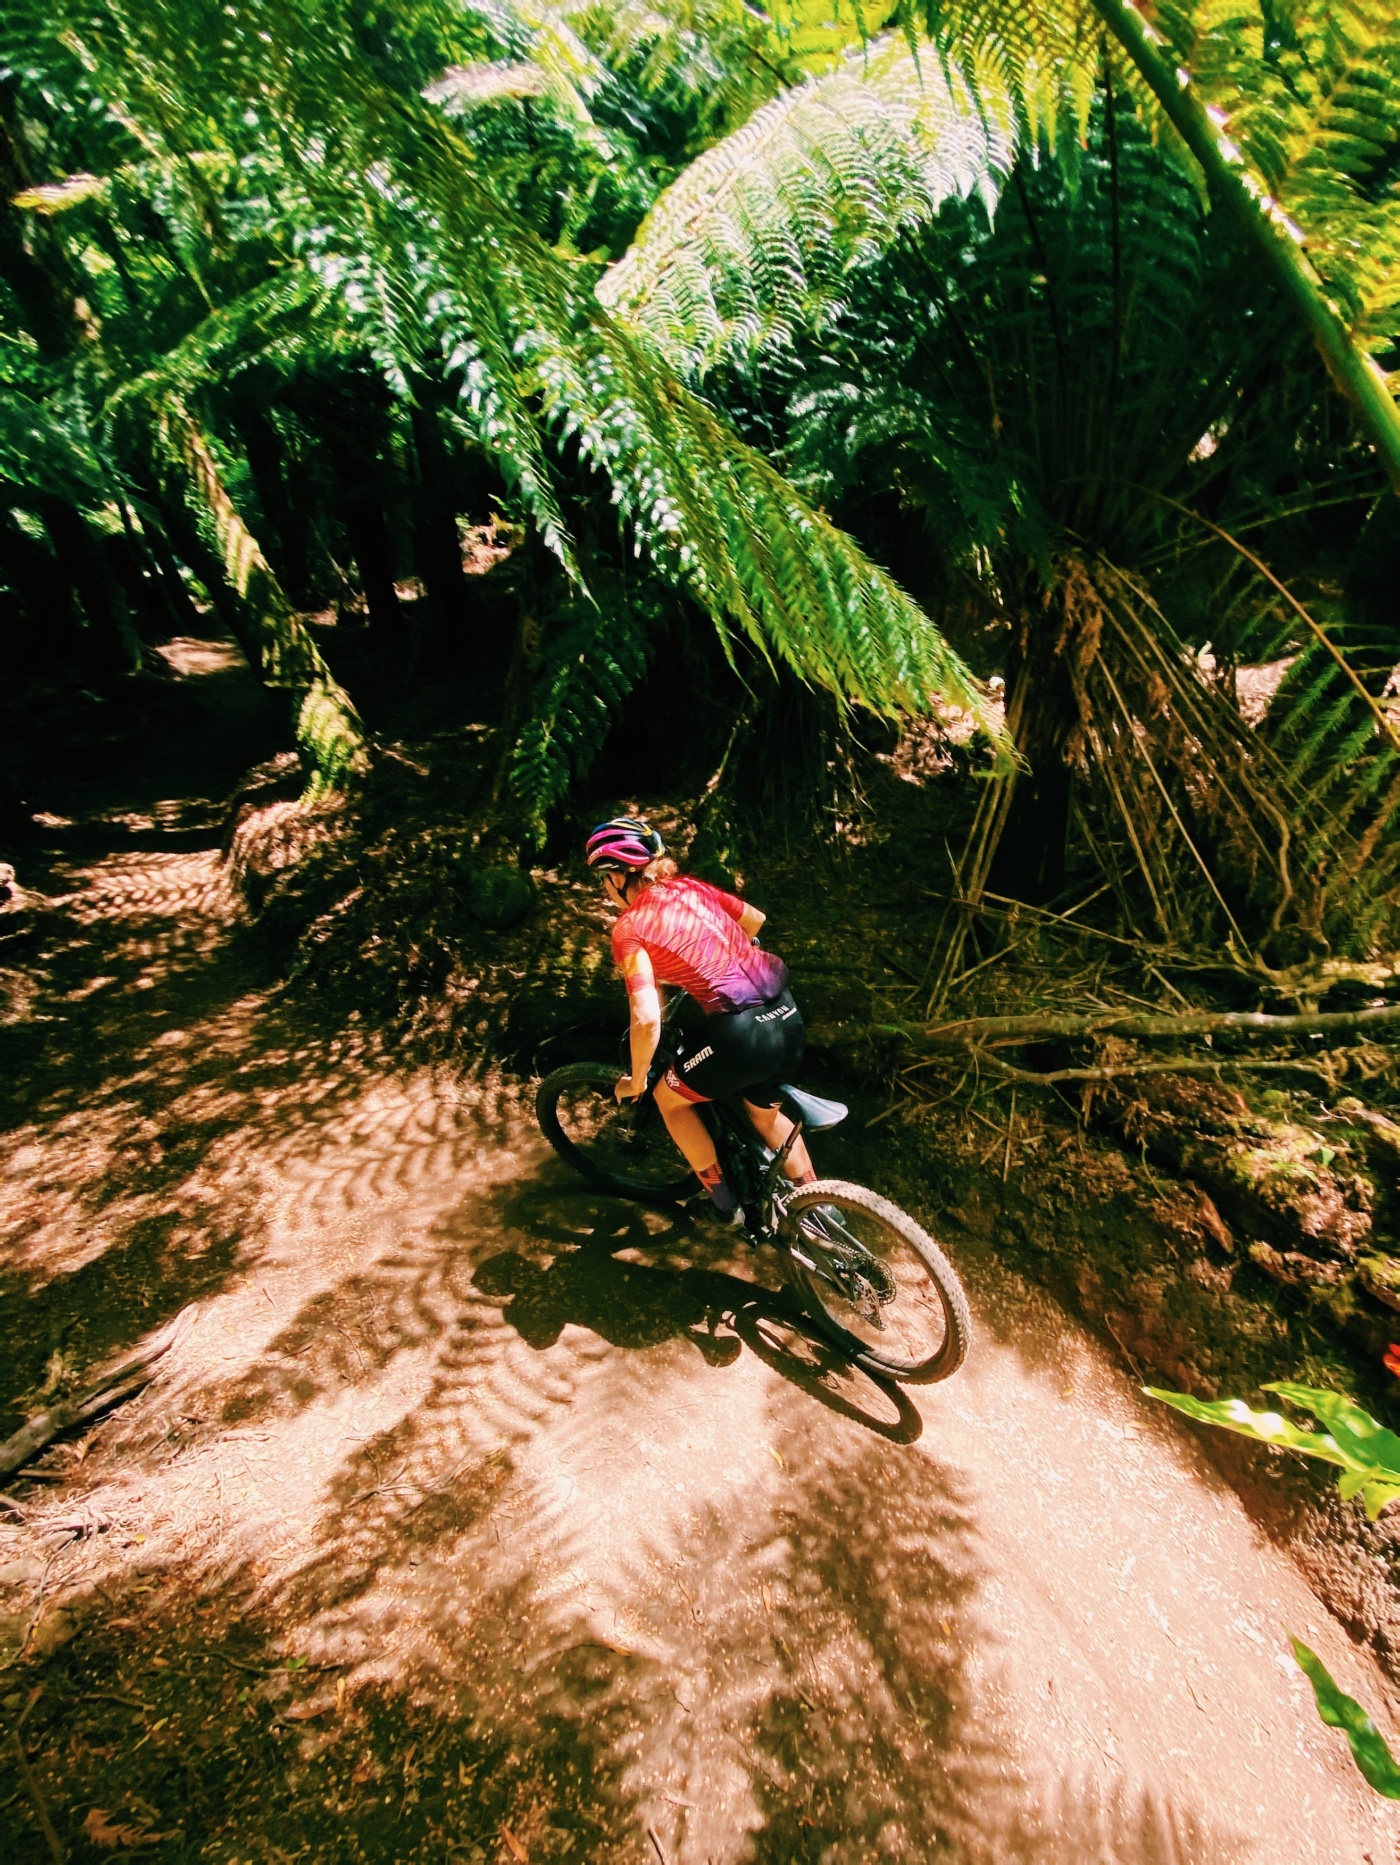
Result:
[[1036, 393], [760, 230], [389, 210], [1311, 94], [1308, 91]]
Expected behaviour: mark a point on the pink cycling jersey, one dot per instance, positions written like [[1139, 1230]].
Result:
[[690, 931]]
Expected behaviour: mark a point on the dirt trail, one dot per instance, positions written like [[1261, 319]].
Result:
[[475, 1505]]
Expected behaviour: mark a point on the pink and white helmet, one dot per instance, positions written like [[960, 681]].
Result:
[[623, 845]]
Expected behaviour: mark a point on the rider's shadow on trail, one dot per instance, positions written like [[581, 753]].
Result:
[[577, 1275]]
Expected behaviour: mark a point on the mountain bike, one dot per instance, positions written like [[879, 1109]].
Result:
[[872, 1280]]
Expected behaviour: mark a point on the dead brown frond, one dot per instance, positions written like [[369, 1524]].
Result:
[[1211, 833]]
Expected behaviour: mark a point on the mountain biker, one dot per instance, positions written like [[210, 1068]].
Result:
[[676, 929]]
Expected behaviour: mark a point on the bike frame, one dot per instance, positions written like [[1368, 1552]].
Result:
[[760, 1180]]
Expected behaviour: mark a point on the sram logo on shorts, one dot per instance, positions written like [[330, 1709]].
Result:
[[783, 1010], [699, 1056]]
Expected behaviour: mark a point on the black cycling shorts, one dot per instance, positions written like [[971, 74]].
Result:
[[748, 1052]]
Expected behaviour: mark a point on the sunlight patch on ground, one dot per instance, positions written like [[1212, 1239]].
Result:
[[194, 656]]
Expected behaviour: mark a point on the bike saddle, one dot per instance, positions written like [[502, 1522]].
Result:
[[816, 1115]]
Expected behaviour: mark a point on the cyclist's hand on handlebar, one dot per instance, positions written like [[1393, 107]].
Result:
[[623, 1090]]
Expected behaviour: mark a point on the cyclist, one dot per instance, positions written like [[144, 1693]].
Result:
[[676, 929]]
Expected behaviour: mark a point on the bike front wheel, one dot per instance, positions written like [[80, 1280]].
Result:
[[875, 1282], [620, 1147]]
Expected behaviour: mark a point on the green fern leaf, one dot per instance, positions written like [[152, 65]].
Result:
[[599, 652], [758, 232]]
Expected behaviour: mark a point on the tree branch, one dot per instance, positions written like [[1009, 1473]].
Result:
[[1037, 1026], [110, 1388]]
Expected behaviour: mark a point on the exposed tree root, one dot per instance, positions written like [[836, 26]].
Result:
[[112, 1387]]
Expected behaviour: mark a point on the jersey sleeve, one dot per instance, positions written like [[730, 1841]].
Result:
[[624, 943], [626, 948], [728, 904]]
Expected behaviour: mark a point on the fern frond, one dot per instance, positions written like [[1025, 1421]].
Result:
[[56, 197], [485, 82], [1046, 54], [549, 37], [1311, 94], [46, 447], [599, 652], [278, 316], [393, 217], [816, 34], [759, 231], [1284, 108]]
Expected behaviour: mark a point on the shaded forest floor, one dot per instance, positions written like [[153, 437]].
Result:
[[475, 1516]]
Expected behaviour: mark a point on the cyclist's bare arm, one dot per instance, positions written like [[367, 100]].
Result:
[[751, 919], [644, 1031]]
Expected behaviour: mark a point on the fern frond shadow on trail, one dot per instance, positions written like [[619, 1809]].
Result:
[[794, 1680], [566, 1588], [636, 1280]]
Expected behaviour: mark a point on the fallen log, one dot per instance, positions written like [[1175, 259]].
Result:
[[1134, 1026], [111, 1387]]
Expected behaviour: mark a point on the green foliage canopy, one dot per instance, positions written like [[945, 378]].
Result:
[[295, 154]]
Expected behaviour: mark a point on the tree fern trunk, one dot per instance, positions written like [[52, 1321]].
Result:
[[1042, 716]]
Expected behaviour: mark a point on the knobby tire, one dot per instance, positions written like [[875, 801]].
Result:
[[816, 1291], [576, 1082]]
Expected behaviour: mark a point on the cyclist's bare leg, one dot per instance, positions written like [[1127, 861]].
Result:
[[686, 1128], [773, 1127]]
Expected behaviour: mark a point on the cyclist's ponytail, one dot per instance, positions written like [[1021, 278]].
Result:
[[662, 868]]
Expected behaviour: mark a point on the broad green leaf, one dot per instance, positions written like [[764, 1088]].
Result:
[[1266, 1427], [1372, 1453], [1361, 1437], [1340, 1711], [1368, 1454]]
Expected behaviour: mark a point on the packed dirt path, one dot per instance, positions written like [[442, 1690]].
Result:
[[478, 1516]]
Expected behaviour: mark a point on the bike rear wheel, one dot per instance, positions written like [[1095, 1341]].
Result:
[[621, 1147], [875, 1282]]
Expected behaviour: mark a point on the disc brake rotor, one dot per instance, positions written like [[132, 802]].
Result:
[[863, 1281], [847, 1260]]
